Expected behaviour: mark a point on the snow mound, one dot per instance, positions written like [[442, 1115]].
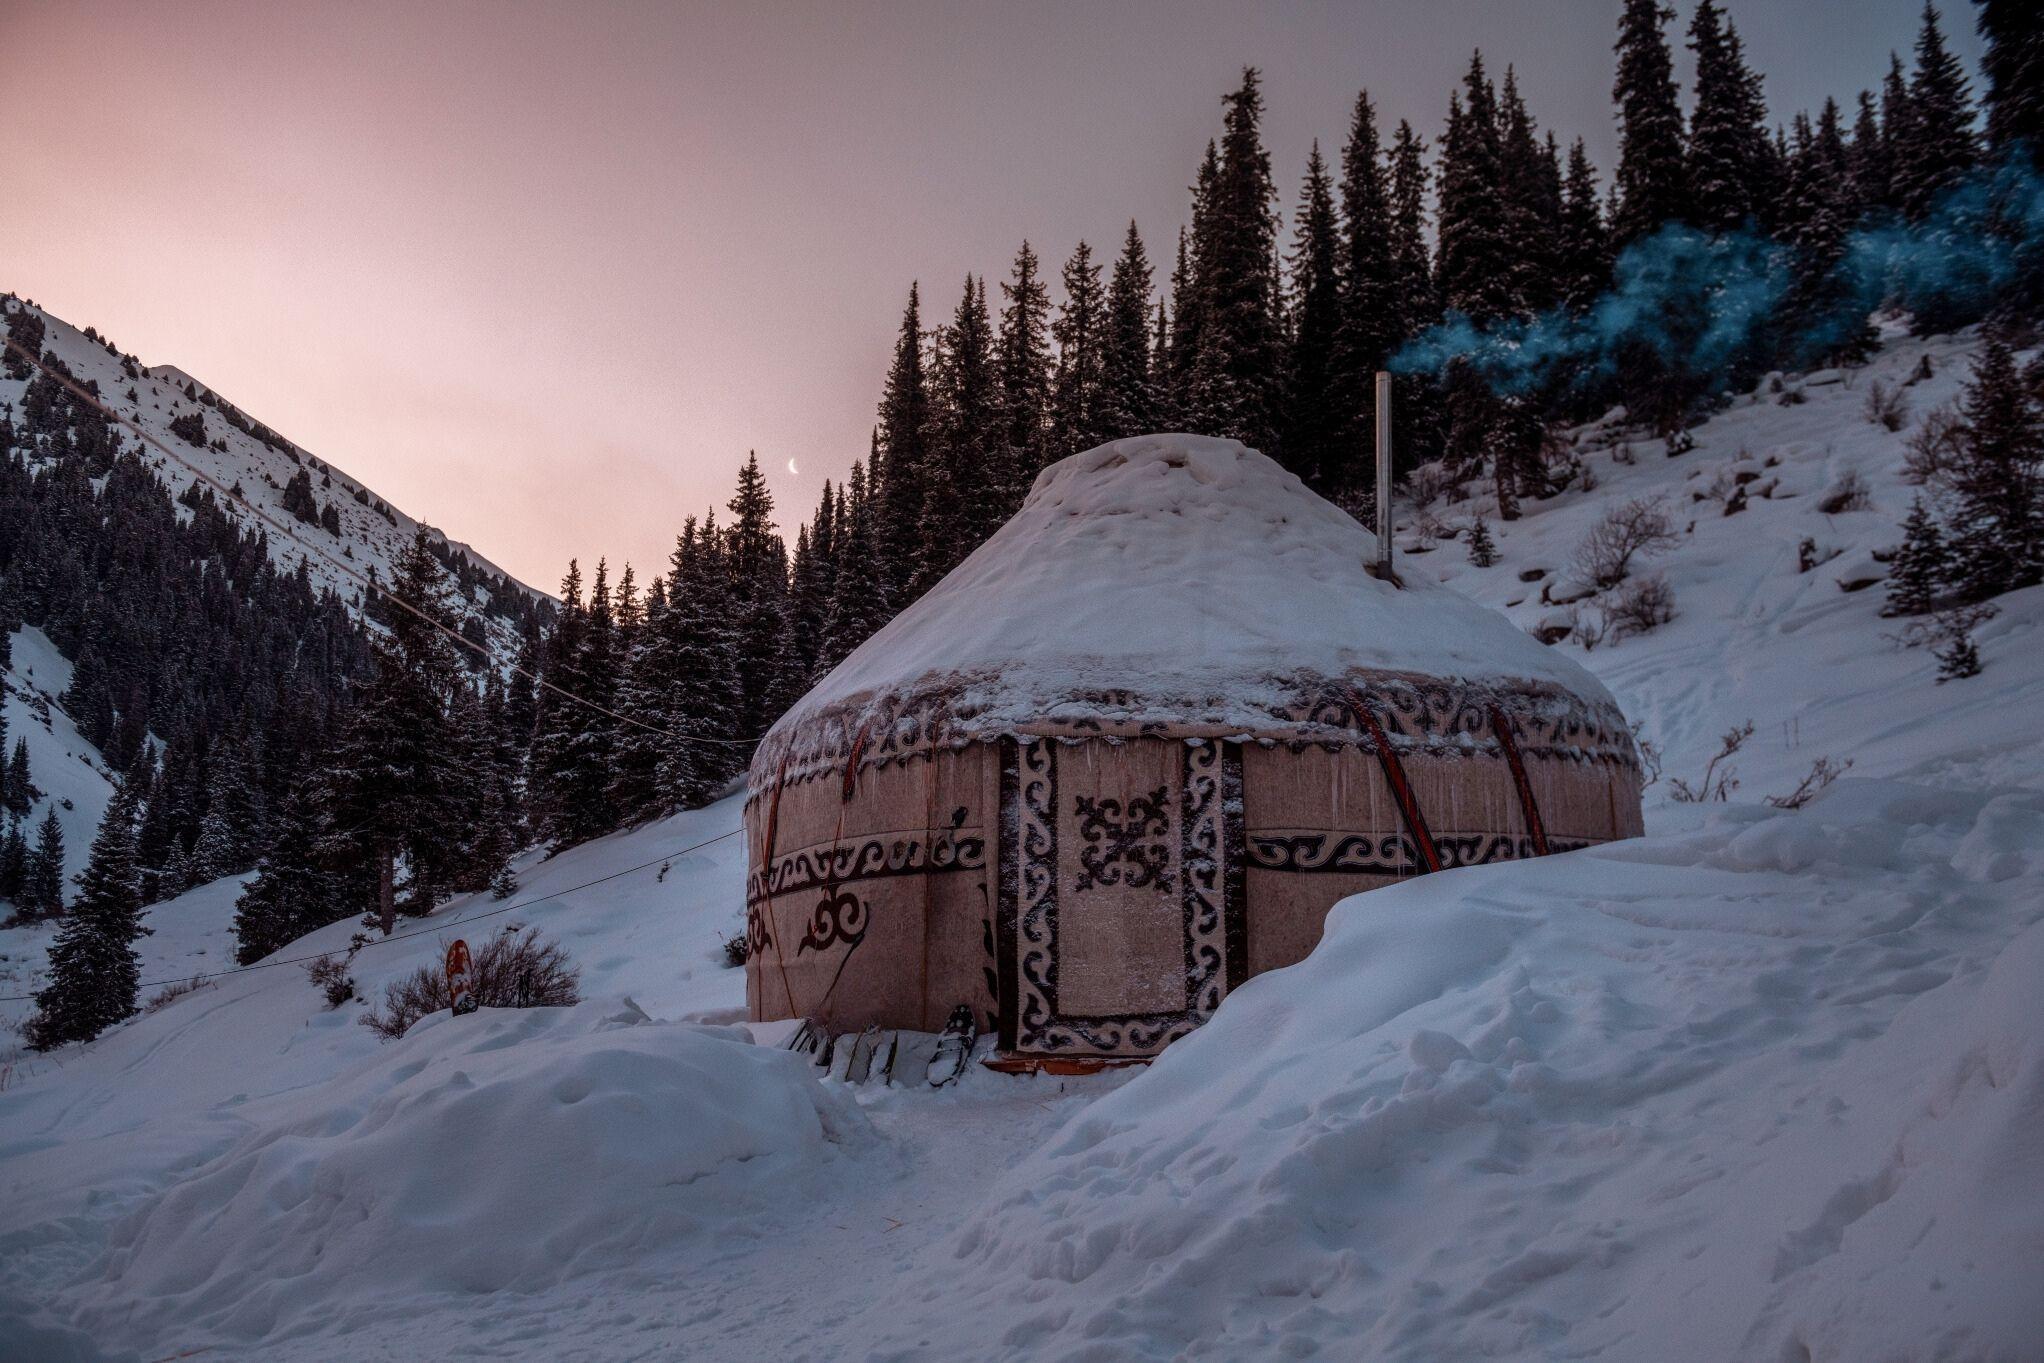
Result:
[[1191, 578], [505, 1151], [1523, 1110]]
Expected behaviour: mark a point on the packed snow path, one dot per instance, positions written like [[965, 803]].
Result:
[[1764, 1084]]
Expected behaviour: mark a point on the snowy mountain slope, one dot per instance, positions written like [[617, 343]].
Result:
[[235, 455], [71, 777], [67, 770], [1809, 663], [1764, 1084]]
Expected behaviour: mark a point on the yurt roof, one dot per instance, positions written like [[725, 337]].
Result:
[[1173, 580]]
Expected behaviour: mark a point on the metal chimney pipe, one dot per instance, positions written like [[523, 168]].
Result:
[[1383, 569]]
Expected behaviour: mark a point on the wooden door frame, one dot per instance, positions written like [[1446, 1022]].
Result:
[[1211, 890]]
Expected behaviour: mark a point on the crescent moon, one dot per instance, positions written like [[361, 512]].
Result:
[[792, 468]]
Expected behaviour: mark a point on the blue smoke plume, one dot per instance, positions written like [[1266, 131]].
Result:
[[1699, 303]]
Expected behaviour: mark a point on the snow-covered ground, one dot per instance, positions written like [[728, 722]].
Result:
[[1764, 1084]]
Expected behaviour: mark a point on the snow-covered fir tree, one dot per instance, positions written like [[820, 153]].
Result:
[[1318, 426], [1936, 147], [1128, 398], [1022, 360], [42, 880], [1922, 565], [1651, 181], [94, 971]]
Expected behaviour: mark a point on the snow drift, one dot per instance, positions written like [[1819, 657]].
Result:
[[1649, 1097], [504, 1151]]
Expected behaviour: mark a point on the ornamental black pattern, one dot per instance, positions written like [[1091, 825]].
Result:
[[840, 916], [1124, 850]]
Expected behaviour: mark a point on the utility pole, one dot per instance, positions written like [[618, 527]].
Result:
[[1382, 569]]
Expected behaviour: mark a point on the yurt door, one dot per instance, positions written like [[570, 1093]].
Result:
[[1120, 923]]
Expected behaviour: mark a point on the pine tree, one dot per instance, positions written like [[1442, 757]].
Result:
[[904, 430], [1483, 551], [42, 881], [293, 892], [1727, 130], [757, 561], [1317, 426], [2014, 66], [577, 740], [1188, 290], [1897, 117], [1958, 659], [1235, 376], [20, 786], [1651, 181], [699, 667], [1475, 247], [1079, 382], [1022, 360], [1824, 321], [1532, 204], [94, 972], [213, 853], [1937, 148], [13, 863], [968, 486], [808, 598], [389, 788], [1585, 249], [1415, 405], [1372, 322], [857, 610], [1128, 398], [1998, 525], [1921, 566], [1868, 156]]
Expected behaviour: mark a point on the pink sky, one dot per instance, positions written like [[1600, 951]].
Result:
[[541, 275]]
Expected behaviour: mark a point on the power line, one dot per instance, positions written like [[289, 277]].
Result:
[[423, 932], [346, 570]]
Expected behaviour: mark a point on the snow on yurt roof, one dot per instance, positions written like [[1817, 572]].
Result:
[[1175, 578]]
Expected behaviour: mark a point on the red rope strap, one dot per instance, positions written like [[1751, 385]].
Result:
[[1502, 727], [1401, 788]]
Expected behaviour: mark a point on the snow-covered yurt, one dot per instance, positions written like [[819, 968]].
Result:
[[1131, 751]]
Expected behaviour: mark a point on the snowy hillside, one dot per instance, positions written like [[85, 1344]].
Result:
[[1765, 1084], [235, 452], [72, 779]]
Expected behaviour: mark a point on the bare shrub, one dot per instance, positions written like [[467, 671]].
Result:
[[1633, 529], [1429, 482], [1936, 448], [1718, 488], [1849, 493], [177, 989], [737, 950], [514, 969], [1641, 606], [1649, 754], [1720, 778], [1587, 624], [330, 975], [1886, 407], [1428, 530], [1822, 773]]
